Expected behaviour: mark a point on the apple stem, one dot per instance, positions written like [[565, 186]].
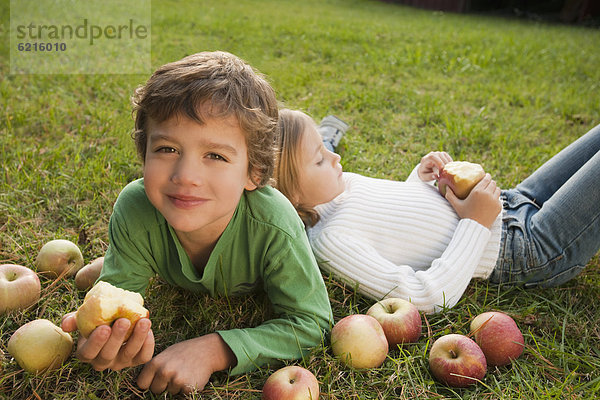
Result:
[[292, 381], [453, 354]]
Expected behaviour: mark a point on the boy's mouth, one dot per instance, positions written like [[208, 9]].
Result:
[[186, 202]]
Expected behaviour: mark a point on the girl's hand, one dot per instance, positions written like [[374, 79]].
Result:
[[431, 164], [481, 205]]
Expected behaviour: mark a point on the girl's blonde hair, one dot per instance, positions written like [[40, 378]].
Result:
[[291, 126]]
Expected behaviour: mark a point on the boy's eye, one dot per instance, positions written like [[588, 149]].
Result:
[[166, 149], [215, 156]]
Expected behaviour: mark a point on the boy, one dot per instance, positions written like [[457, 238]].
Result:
[[203, 219]]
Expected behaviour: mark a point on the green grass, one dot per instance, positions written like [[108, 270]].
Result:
[[505, 93]]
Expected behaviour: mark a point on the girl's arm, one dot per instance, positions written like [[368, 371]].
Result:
[[430, 289]]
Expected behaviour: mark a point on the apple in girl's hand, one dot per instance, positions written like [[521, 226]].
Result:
[[291, 383], [40, 346], [461, 177], [498, 336], [58, 257], [457, 360], [400, 320], [359, 341], [19, 287], [104, 304], [87, 276]]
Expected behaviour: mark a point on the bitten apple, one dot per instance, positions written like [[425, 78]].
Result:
[[461, 177], [104, 304], [498, 336], [359, 341], [400, 320], [291, 383], [87, 276], [19, 287], [457, 360], [40, 346], [59, 257]]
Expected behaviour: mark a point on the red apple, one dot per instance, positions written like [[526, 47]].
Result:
[[461, 177], [359, 341], [457, 360], [104, 304], [40, 346], [498, 336], [400, 320], [87, 276], [291, 383], [58, 257], [19, 287]]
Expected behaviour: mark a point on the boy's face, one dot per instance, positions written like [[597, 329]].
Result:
[[195, 174], [320, 177]]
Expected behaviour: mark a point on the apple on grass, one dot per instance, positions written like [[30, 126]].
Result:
[[358, 341], [87, 276], [457, 360], [40, 346], [461, 177], [400, 320], [498, 336], [104, 304], [291, 383], [19, 287], [59, 257]]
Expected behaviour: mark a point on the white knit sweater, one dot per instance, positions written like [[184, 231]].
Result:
[[402, 239]]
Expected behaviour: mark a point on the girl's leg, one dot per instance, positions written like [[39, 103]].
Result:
[[547, 179], [331, 130], [547, 244], [567, 227]]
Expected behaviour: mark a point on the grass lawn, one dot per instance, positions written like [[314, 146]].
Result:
[[505, 93]]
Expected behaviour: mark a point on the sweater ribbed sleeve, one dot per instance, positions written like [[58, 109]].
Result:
[[402, 239]]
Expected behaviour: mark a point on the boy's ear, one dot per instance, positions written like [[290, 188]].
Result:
[[253, 177]]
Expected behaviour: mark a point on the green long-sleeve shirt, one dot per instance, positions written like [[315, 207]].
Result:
[[264, 245]]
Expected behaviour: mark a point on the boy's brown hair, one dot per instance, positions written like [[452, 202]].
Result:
[[212, 85], [290, 128]]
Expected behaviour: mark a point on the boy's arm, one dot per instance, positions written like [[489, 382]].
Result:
[[300, 302]]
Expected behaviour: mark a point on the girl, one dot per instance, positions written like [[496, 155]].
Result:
[[403, 239]]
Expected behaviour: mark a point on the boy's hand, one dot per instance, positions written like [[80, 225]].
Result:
[[431, 164], [105, 347], [186, 366], [481, 205]]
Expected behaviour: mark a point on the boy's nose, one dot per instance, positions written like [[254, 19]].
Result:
[[187, 172]]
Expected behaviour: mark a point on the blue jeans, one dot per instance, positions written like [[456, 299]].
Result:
[[551, 226]]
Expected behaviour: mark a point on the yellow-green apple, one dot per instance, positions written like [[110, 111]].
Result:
[[19, 287], [460, 176], [104, 304], [87, 276], [400, 320], [359, 341], [58, 257], [40, 346], [498, 336], [291, 383], [457, 360]]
